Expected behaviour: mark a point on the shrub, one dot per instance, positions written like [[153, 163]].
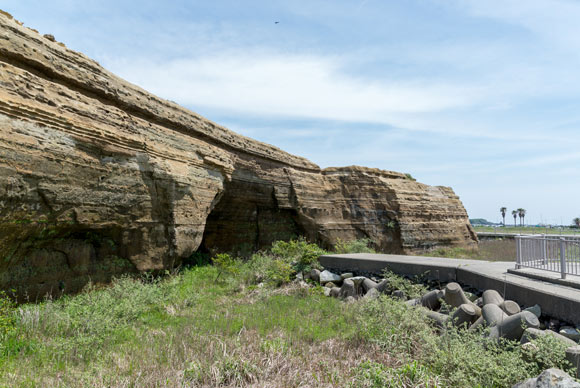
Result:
[[355, 246], [374, 375], [225, 264], [278, 272], [302, 255], [410, 288], [6, 314]]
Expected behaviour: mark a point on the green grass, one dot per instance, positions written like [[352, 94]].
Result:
[[189, 330], [490, 250], [526, 230]]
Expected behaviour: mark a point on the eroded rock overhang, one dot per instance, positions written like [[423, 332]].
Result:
[[99, 177]]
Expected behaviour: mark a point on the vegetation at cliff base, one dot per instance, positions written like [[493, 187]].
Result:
[[253, 325]]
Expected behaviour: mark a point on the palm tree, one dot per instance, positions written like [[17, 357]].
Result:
[[502, 211], [522, 214], [515, 214], [576, 222]]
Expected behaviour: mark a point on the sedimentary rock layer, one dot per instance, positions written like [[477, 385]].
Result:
[[99, 177]]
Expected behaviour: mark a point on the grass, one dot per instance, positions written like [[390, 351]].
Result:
[[527, 230], [490, 250], [189, 330]]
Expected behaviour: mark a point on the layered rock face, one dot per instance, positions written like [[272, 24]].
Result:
[[99, 177]]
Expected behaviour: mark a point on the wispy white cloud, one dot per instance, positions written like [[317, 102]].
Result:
[[292, 86]]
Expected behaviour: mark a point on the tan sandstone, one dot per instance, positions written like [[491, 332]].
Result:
[[99, 177]]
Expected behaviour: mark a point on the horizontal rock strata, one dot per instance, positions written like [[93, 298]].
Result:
[[99, 177]]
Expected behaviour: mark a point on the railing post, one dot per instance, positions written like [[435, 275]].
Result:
[[544, 250], [518, 252], [563, 257]]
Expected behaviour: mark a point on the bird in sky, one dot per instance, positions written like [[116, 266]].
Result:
[[276, 22]]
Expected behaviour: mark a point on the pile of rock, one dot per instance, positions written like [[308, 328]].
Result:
[[452, 306]]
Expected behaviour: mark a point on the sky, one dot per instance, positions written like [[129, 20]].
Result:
[[482, 96]]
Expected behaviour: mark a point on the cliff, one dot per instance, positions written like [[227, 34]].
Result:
[[99, 177]]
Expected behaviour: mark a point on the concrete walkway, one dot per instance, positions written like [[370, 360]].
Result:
[[557, 300]]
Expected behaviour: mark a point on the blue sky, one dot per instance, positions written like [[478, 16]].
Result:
[[482, 96]]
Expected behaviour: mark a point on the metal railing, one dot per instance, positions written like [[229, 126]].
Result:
[[556, 254]]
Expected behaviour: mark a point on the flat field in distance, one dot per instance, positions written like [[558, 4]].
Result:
[[490, 250], [526, 230]]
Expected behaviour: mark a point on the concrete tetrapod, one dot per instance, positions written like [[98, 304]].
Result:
[[479, 322], [348, 289], [513, 327], [510, 307], [535, 309], [432, 299], [532, 333], [492, 314], [465, 315], [367, 284], [383, 286], [491, 297], [455, 297], [573, 355], [439, 319]]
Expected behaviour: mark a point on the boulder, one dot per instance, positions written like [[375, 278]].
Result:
[[335, 292], [314, 274], [346, 275], [550, 378], [330, 285], [327, 276], [399, 294]]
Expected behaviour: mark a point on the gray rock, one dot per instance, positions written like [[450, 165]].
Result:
[[348, 289], [299, 276], [550, 378], [314, 274], [350, 299], [570, 332], [327, 291], [330, 285], [347, 275], [372, 293], [413, 302], [335, 292], [327, 276]]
